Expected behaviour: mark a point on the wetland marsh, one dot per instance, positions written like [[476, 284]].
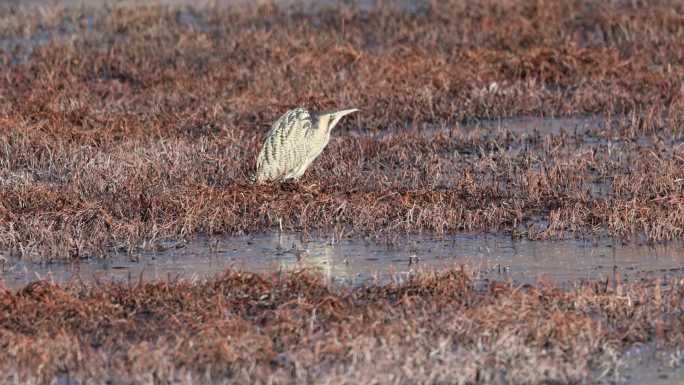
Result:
[[507, 208]]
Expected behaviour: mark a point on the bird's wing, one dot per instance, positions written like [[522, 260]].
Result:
[[292, 127], [295, 123], [285, 142]]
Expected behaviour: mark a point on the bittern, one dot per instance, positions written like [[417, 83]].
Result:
[[295, 140]]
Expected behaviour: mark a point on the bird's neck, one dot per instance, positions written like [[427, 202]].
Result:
[[324, 125]]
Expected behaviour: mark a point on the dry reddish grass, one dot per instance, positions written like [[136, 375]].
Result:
[[145, 123], [292, 328]]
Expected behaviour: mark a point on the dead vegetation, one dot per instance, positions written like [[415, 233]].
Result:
[[292, 328], [129, 124]]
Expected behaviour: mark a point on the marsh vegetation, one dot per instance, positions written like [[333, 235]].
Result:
[[124, 127]]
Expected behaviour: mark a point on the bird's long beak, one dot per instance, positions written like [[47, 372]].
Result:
[[342, 113], [337, 115]]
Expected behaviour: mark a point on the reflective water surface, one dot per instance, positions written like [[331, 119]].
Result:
[[649, 365], [357, 261]]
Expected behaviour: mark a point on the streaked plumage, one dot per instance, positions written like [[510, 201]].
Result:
[[294, 142]]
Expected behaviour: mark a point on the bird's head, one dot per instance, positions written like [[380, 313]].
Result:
[[331, 118]]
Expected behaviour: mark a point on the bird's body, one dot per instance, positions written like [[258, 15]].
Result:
[[295, 140]]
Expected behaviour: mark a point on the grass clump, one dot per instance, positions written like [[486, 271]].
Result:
[[125, 124], [292, 328]]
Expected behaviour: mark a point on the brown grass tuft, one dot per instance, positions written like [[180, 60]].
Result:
[[142, 123], [292, 328]]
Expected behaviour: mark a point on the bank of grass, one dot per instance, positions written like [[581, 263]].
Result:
[[129, 124], [292, 328]]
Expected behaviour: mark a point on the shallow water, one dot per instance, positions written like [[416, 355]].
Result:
[[653, 374], [649, 365], [190, 14], [357, 261], [544, 125]]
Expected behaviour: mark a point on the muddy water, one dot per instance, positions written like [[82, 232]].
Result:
[[20, 48], [653, 374], [522, 125], [357, 261], [310, 5], [650, 365]]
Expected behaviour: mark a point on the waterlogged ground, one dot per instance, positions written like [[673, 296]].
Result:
[[647, 364], [536, 149], [370, 261], [123, 125], [296, 328]]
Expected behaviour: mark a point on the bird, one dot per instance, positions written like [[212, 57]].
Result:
[[294, 141]]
